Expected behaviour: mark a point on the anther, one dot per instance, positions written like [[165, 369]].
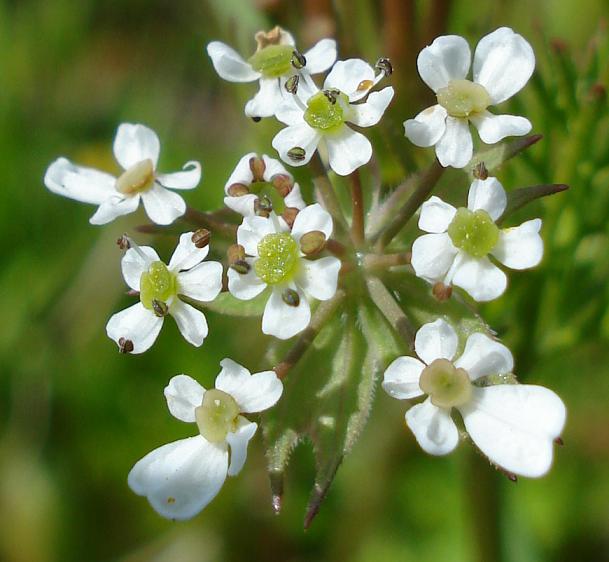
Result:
[[123, 242], [257, 166], [297, 154], [298, 60], [283, 184], [480, 171], [235, 253], [441, 291], [238, 190], [200, 238], [312, 242], [290, 297], [160, 308], [384, 65], [263, 206], [125, 345], [291, 84], [256, 119], [332, 95], [289, 215], [241, 266]]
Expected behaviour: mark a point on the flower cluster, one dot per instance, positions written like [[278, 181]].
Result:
[[292, 256]]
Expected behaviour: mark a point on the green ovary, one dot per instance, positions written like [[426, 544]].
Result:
[[217, 415], [158, 283], [278, 258], [322, 114], [474, 232], [273, 61], [462, 98], [446, 385]]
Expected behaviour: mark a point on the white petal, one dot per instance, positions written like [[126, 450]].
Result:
[[455, 148], [436, 215], [347, 150], [289, 111], [137, 324], [488, 195], [163, 206], [191, 322], [244, 204], [447, 58], [181, 478], [79, 183], [401, 379], [484, 356], [436, 340], [267, 99], [134, 143], [251, 231], [294, 198], [483, 280], [229, 64], [493, 128], [186, 254], [428, 127], [432, 256], [347, 75], [242, 172], [433, 428], [520, 247], [245, 286], [515, 425], [253, 393], [321, 56], [302, 136], [133, 265], [188, 178], [183, 395], [283, 320], [203, 282], [272, 167], [319, 278], [113, 207], [503, 63], [238, 442], [313, 217], [370, 112]]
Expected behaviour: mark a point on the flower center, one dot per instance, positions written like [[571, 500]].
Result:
[[273, 61], [157, 284], [462, 98], [138, 178], [446, 385], [217, 415], [268, 190], [278, 258], [325, 110], [474, 232]]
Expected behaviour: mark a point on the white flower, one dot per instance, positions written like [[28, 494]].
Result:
[[136, 149], [503, 64], [181, 478], [461, 240], [324, 117], [274, 62], [247, 185], [276, 260], [514, 425], [136, 328]]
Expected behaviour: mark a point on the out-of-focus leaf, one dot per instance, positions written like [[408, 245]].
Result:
[[520, 197], [496, 156], [226, 304]]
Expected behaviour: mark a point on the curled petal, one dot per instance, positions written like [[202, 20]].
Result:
[[79, 183], [520, 247], [229, 64], [163, 206], [320, 277], [432, 256], [244, 204], [436, 340], [483, 280], [428, 127], [203, 282], [455, 148], [401, 379], [136, 324], [436, 215], [370, 112], [272, 167], [186, 254], [188, 178], [283, 320], [191, 322], [238, 442], [347, 150], [447, 58], [267, 99], [433, 428], [113, 207], [493, 128], [321, 56], [294, 198], [183, 395], [487, 195], [133, 265], [313, 217], [242, 172], [484, 356], [134, 143]]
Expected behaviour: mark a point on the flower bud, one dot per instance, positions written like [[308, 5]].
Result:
[[200, 238], [257, 166], [238, 190], [312, 242], [290, 297], [283, 184]]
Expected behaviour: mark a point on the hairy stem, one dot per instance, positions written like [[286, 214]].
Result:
[[357, 220]]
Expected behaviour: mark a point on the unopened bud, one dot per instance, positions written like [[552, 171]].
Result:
[[257, 166], [123, 242], [283, 184], [298, 154], [298, 60], [160, 308], [125, 345], [480, 171], [238, 190], [200, 238], [290, 297], [312, 242], [289, 215], [441, 291], [263, 206], [384, 65], [235, 253], [291, 84]]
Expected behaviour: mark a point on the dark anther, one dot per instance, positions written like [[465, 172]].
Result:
[[298, 154], [332, 95], [298, 60], [256, 119], [263, 206], [291, 84], [160, 308], [290, 297], [384, 65], [480, 172], [123, 242], [125, 345], [441, 291], [200, 238], [240, 266]]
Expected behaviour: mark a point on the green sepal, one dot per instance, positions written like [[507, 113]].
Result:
[[522, 196]]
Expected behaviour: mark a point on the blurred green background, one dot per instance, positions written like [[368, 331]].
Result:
[[75, 415]]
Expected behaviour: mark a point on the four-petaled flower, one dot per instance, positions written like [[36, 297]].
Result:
[[136, 149], [323, 117], [514, 425], [273, 64], [503, 63], [181, 478], [136, 328], [460, 241], [276, 259]]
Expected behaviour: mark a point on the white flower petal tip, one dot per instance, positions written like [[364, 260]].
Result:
[[436, 340], [183, 395], [229, 64], [433, 428], [401, 378]]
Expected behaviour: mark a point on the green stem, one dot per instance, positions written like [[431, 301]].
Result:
[[358, 236], [326, 192], [381, 262], [208, 220]]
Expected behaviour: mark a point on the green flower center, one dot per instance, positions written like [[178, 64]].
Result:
[[278, 258], [273, 61], [157, 284], [474, 232], [217, 415], [137, 179], [462, 98], [446, 385], [325, 112]]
